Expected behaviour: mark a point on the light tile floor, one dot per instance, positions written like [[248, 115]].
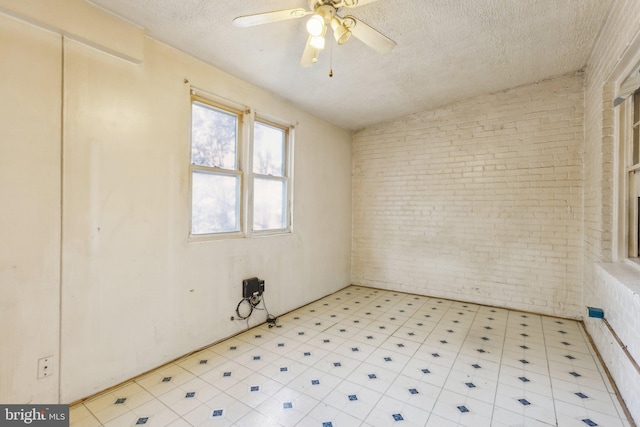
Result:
[[374, 358]]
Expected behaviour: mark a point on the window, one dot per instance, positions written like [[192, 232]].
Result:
[[226, 194], [215, 169], [633, 176], [270, 182], [626, 236]]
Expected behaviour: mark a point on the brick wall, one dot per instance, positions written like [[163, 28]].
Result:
[[479, 201], [611, 286], [621, 27]]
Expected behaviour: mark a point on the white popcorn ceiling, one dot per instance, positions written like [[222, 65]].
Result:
[[447, 50]]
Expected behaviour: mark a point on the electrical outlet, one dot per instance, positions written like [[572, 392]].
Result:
[[45, 367]]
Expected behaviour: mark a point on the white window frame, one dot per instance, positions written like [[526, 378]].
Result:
[[628, 178], [239, 112], [623, 81], [244, 167], [286, 178]]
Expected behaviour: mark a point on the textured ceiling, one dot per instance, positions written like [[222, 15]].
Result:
[[447, 50]]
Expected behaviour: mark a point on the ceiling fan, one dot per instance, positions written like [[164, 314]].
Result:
[[324, 13]]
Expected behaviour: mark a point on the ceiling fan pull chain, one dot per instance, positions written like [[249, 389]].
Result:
[[330, 59]]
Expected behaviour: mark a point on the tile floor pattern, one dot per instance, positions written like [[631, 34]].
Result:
[[374, 358]]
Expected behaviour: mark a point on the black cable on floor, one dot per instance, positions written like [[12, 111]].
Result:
[[271, 319]]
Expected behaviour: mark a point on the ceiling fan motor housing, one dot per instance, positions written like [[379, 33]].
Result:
[[336, 4], [327, 11]]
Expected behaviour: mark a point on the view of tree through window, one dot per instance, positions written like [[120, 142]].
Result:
[[222, 201], [215, 180], [214, 136], [268, 150], [269, 185]]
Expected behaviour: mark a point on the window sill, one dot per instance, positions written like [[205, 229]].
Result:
[[633, 262], [272, 233], [200, 238], [627, 273], [197, 238]]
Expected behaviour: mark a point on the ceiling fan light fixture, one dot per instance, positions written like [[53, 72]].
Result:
[[315, 25], [317, 42], [340, 32], [322, 14]]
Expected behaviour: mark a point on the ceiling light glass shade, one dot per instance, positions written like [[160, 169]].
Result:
[[315, 25], [340, 32], [317, 42]]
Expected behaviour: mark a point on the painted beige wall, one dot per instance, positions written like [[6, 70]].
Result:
[[133, 285], [135, 292], [30, 210]]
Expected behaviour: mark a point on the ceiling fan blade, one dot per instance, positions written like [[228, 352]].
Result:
[[267, 17], [356, 3], [368, 35], [310, 55]]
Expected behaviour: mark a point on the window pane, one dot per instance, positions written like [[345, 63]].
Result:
[[215, 207], [269, 204], [213, 137], [268, 150]]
